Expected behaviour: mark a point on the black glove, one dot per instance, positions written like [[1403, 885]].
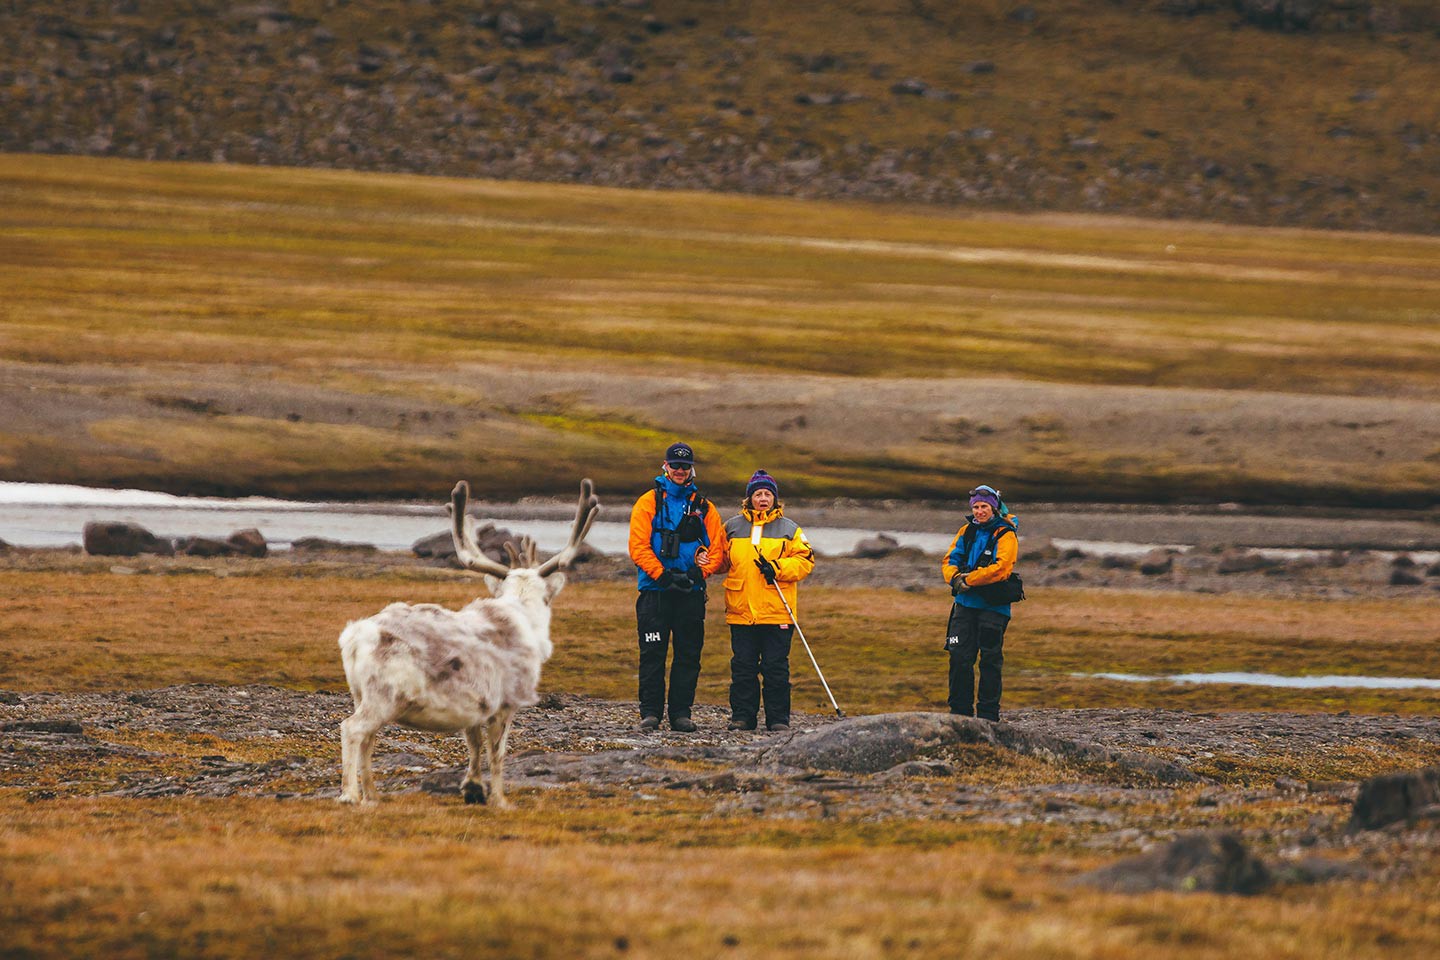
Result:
[[680, 583], [695, 575], [666, 578], [766, 568], [958, 585]]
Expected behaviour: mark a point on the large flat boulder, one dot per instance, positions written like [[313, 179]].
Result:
[[879, 743], [121, 538]]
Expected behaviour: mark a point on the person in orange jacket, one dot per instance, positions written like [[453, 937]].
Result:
[[676, 541], [980, 559], [767, 552]]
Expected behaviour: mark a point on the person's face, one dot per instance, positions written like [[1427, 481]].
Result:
[[677, 472], [983, 511], [762, 500]]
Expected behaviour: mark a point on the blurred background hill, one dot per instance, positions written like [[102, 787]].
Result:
[[1273, 112]]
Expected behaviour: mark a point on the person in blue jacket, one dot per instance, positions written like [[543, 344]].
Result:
[[676, 541], [979, 561]]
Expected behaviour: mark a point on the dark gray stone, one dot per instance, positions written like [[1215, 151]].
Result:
[[1243, 561], [110, 538], [1216, 862], [1157, 562], [880, 545], [881, 743], [249, 542], [202, 547], [1395, 798], [322, 545]]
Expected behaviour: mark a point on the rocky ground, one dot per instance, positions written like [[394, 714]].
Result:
[[1118, 779]]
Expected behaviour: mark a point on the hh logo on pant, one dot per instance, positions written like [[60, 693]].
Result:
[[952, 641], [652, 638]]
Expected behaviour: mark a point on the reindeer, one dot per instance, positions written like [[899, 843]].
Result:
[[430, 668]]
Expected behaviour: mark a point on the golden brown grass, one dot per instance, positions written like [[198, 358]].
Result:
[[116, 261], [571, 876], [415, 301], [582, 873], [880, 648]]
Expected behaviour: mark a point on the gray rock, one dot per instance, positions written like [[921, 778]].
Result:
[[910, 86], [1157, 562], [1400, 577], [488, 537], [881, 743], [1242, 561], [41, 726], [437, 546], [1216, 862], [880, 545], [1395, 798], [525, 27], [249, 542], [203, 547], [323, 545], [109, 538]]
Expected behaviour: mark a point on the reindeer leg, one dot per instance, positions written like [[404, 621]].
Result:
[[357, 739], [497, 735], [473, 788], [367, 769]]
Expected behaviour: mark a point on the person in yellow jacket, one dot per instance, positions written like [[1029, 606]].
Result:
[[766, 552]]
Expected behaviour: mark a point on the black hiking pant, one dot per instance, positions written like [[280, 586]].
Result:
[[972, 632], [760, 652], [663, 617]]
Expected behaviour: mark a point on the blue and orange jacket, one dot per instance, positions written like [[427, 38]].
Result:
[[648, 519], [991, 558]]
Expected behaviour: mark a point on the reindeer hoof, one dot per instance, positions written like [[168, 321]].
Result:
[[472, 792]]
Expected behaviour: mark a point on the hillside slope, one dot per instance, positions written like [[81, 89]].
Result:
[[1320, 113]]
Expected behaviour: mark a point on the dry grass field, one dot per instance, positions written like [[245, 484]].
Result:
[[585, 872], [203, 328], [304, 333]]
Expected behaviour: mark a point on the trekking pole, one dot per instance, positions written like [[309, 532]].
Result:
[[838, 712]]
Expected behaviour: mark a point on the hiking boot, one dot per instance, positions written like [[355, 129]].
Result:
[[738, 724], [682, 725], [649, 723], [778, 727]]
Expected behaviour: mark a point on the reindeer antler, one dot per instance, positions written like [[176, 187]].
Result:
[[462, 531], [586, 510]]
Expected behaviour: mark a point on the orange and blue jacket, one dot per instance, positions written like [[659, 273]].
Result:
[[674, 504], [990, 559], [749, 600]]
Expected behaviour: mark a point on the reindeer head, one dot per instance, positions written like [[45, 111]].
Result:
[[525, 578]]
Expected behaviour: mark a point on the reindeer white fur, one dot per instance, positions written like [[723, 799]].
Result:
[[430, 668]]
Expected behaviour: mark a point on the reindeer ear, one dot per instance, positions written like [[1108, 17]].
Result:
[[493, 584], [553, 585]]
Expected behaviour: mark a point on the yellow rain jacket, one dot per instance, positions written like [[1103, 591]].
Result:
[[749, 599]]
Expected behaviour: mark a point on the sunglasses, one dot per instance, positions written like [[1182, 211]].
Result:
[[682, 467]]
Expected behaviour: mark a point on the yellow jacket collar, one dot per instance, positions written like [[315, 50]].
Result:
[[774, 513]]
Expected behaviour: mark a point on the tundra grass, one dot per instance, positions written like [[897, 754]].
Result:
[[216, 329], [570, 876], [881, 649], [577, 873], [125, 262]]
